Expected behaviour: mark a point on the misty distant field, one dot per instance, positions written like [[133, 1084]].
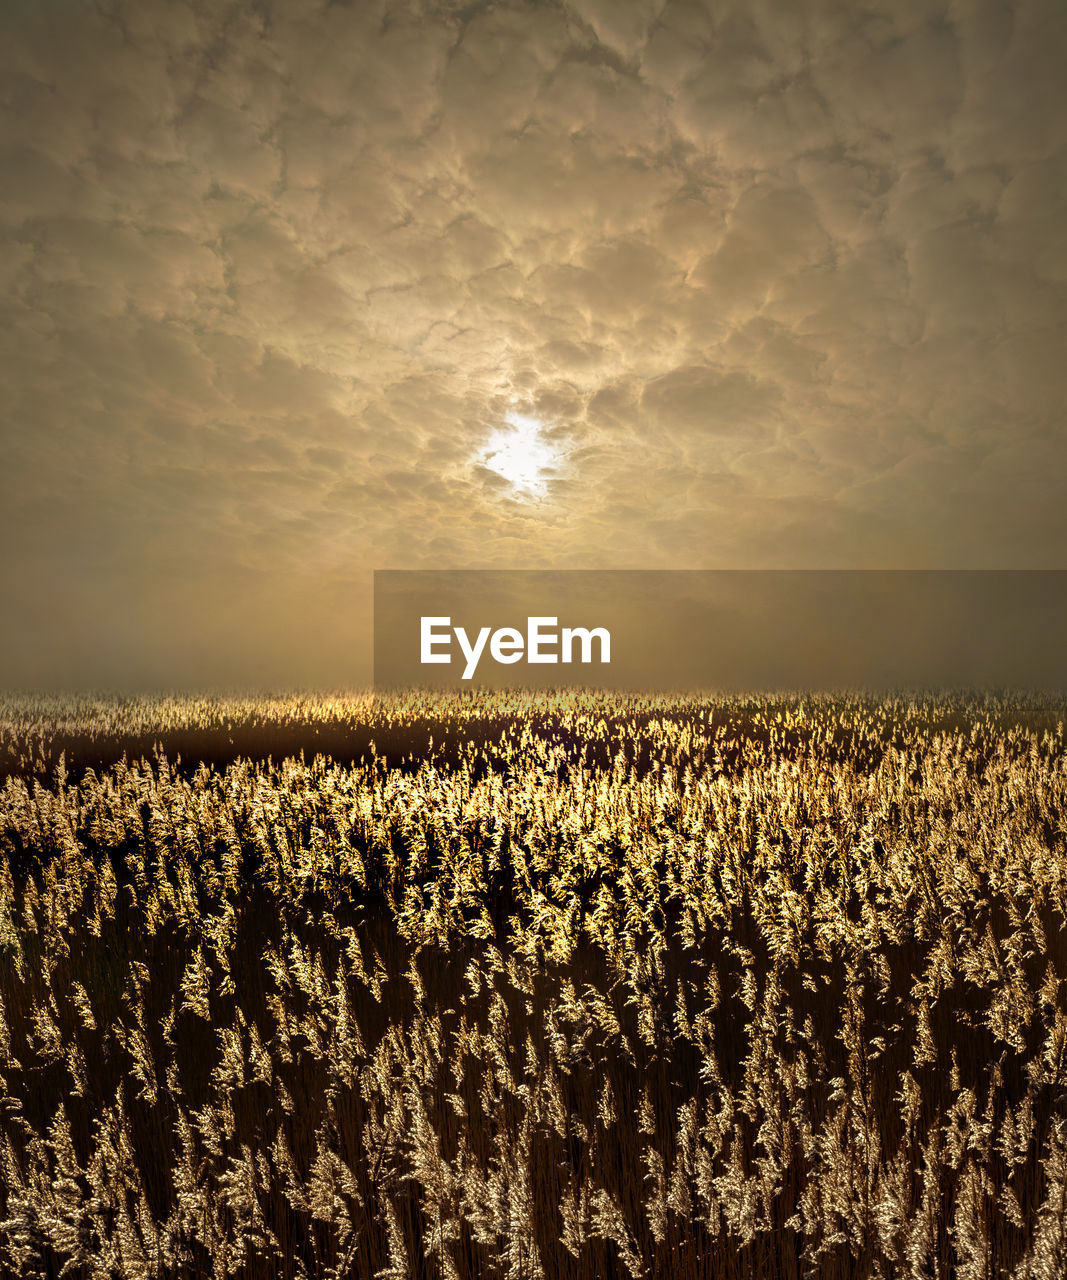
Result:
[[569, 986]]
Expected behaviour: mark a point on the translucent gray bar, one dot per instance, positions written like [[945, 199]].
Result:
[[721, 629]]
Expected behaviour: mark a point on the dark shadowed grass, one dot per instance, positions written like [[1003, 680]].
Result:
[[614, 988]]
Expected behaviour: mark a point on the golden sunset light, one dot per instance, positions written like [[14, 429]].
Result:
[[780, 280], [533, 615]]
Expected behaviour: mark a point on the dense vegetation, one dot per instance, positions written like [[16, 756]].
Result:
[[577, 985]]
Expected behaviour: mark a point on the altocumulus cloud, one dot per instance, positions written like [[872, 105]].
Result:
[[785, 282]]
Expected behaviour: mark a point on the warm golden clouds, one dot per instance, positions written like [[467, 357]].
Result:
[[784, 281]]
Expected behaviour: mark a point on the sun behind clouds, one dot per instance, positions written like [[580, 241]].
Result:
[[520, 453]]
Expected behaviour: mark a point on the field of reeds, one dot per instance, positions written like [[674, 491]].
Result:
[[562, 986]]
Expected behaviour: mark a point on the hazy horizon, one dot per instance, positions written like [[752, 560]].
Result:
[[298, 291]]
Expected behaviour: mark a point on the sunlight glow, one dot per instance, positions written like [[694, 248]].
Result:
[[521, 455]]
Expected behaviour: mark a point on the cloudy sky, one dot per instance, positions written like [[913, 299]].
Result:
[[296, 290]]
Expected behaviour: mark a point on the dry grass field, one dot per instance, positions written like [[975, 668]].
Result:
[[570, 986]]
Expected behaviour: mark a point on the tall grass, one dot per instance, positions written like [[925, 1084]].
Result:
[[568, 986]]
